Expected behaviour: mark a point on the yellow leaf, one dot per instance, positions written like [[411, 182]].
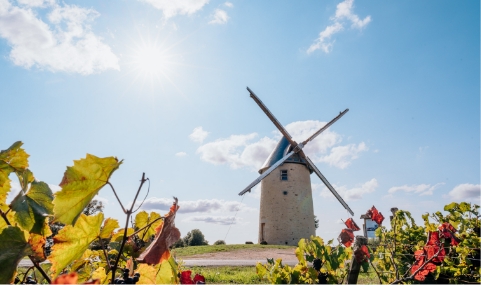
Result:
[[147, 274], [109, 226], [120, 234], [142, 219], [80, 184], [13, 159], [71, 242], [101, 275]]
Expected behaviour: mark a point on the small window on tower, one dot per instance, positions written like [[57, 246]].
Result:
[[283, 174]]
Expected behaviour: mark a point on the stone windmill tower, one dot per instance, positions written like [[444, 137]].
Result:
[[286, 210]]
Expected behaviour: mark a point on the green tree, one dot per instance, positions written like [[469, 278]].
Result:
[[219, 242], [195, 237]]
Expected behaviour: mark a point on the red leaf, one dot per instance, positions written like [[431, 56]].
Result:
[[185, 277], [447, 232], [351, 224], [375, 215], [167, 234], [70, 278], [346, 237], [362, 254], [433, 246], [199, 279]]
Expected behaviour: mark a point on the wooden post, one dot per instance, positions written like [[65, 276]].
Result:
[[355, 266]]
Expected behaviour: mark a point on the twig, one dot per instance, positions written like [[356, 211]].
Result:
[[105, 253], [148, 190], [124, 239], [123, 209]]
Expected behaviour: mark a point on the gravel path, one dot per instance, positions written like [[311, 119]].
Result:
[[247, 254]]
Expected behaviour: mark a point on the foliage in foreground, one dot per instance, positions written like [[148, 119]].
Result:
[[445, 250], [25, 227]]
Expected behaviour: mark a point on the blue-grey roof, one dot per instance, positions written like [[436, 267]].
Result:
[[283, 147]]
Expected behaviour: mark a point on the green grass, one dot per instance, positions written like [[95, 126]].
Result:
[[228, 274], [193, 250]]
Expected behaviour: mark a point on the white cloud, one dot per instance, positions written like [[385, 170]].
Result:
[[343, 12], [198, 135], [197, 206], [243, 151], [347, 194], [225, 221], [237, 151], [342, 156], [219, 17], [68, 46], [229, 4], [181, 154], [36, 3], [421, 189], [171, 8], [466, 192]]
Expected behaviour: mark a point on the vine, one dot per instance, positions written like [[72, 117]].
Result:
[[87, 248]]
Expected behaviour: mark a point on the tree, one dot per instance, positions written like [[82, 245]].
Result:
[[219, 242], [94, 207], [195, 237]]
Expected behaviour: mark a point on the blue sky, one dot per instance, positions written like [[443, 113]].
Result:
[[162, 85]]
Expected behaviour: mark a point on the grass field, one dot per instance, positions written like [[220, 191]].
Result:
[[193, 250], [228, 274]]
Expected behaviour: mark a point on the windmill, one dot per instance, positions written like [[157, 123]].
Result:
[[286, 207]]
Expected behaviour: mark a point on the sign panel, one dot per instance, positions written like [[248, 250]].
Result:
[[371, 226]]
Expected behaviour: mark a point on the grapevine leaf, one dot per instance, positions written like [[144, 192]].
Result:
[[37, 242], [147, 274], [451, 206], [13, 159], [142, 219], [167, 235], [3, 223], [13, 247], [167, 272], [72, 241], [70, 278], [120, 234], [100, 275], [80, 184], [109, 226], [31, 209]]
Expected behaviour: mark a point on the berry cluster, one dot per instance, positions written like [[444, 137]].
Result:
[[127, 279]]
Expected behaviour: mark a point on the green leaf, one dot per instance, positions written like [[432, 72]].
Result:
[[13, 159], [80, 184], [13, 248], [365, 266], [142, 219], [464, 207], [451, 206], [71, 242], [167, 272], [33, 208], [109, 226]]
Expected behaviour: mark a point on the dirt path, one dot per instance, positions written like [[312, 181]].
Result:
[[247, 254]]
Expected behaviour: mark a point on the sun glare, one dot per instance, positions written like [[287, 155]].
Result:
[[151, 61]]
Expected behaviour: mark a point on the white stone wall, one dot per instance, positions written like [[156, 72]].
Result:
[[286, 211]]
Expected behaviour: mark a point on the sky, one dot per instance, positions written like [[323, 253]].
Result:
[[162, 85]]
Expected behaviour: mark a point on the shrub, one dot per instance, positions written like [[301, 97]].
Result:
[[194, 237], [219, 242]]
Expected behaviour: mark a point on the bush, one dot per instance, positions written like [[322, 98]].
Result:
[[194, 237], [219, 242]]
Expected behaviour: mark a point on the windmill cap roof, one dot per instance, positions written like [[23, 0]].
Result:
[[282, 148]]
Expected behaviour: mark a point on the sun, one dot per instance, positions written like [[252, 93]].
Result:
[[151, 61]]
